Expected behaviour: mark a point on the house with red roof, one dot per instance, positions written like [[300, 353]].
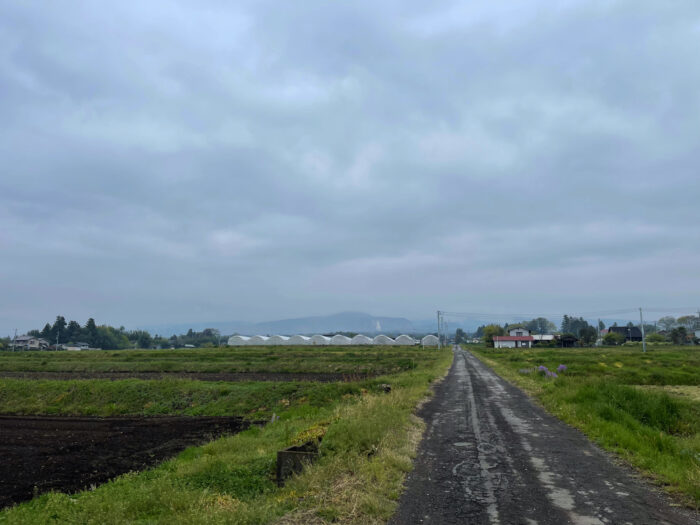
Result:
[[516, 338]]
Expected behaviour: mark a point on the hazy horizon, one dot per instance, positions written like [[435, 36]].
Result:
[[170, 163]]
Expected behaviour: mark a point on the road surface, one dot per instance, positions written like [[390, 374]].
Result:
[[490, 456]]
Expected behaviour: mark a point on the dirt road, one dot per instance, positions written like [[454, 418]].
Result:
[[490, 455]]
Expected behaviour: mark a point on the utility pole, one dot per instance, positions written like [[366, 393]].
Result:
[[644, 340], [438, 326], [57, 340]]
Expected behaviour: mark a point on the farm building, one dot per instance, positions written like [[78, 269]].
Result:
[[340, 340], [299, 340], [542, 338], [630, 333], [405, 340], [29, 342], [258, 340], [360, 339], [238, 340], [320, 340], [512, 341], [382, 340], [429, 340], [277, 340]]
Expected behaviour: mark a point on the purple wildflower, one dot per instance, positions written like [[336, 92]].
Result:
[[561, 368]]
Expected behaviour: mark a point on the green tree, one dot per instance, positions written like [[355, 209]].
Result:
[[541, 325], [490, 331], [613, 339], [73, 331], [689, 322], [460, 336], [58, 330], [667, 323], [601, 325], [91, 333], [679, 335], [588, 335], [655, 338], [46, 331]]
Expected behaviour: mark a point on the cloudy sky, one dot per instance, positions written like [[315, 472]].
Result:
[[196, 161]]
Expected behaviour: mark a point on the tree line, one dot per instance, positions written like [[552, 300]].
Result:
[[110, 338]]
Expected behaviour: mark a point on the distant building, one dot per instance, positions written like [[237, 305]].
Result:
[[630, 333], [76, 346], [516, 338], [543, 338], [28, 342]]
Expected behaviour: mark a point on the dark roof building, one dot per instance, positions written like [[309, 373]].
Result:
[[631, 333]]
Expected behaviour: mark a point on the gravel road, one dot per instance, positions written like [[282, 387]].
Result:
[[489, 455]]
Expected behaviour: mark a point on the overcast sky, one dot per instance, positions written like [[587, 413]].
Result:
[[196, 161]]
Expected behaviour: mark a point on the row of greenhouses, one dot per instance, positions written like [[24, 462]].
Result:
[[323, 340]]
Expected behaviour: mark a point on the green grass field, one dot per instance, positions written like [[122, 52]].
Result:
[[645, 407], [369, 436], [327, 359]]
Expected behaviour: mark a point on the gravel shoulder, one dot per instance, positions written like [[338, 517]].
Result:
[[490, 455]]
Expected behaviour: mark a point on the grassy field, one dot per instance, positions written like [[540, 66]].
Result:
[[369, 436], [645, 407], [320, 359]]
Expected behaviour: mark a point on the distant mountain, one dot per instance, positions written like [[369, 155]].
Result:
[[341, 322]]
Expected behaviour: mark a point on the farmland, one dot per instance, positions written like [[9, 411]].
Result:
[[368, 434], [644, 407]]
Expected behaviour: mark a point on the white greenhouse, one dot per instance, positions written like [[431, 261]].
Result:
[[382, 340], [360, 339], [340, 340], [405, 340], [299, 340], [320, 340], [238, 340], [258, 340], [277, 340], [429, 340]]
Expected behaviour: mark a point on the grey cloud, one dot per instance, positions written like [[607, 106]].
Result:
[[170, 162]]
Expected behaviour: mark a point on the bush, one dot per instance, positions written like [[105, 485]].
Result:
[[655, 338]]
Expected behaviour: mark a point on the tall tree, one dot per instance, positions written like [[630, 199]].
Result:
[[667, 323], [490, 331], [73, 331], [58, 329], [91, 332], [46, 332]]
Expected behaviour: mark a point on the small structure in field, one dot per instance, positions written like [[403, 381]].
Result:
[[429, 340], [340, 340], [238, 340], [382, 339], [405, 340], [258, 340], [320, 340], [360, 339]]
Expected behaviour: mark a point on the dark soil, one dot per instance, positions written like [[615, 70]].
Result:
[[491, 456], [68, 454], [198, 376]]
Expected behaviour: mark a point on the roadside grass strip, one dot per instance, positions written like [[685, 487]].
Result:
[[645, 410], [369, 440]]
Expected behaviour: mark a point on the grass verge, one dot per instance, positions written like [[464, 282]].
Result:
[[647, 426], [369, 442]]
